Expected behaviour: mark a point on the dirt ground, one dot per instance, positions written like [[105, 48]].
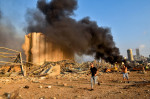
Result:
[[77, 86]]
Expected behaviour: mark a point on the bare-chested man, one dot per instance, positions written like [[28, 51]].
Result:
[[125, 73]]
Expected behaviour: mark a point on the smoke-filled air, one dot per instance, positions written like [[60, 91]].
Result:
[[54, 19], [8, 34]]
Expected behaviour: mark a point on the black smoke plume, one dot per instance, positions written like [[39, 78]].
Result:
[[81, 37]]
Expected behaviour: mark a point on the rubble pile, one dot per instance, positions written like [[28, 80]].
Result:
[[65, 66], [13, 70], [54, 68], [71, 66], [41, 70]]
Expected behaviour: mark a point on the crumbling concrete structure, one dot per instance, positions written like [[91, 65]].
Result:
[[38, 50]]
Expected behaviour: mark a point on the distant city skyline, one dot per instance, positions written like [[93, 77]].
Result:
[[146, 54], [128, 20]]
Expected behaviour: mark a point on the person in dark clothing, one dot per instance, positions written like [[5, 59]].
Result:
[[93, 75]]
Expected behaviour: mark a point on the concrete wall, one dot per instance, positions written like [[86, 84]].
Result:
[[38, 50]]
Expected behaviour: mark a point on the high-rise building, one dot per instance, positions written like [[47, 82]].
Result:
[[130, 55], [137, 52]]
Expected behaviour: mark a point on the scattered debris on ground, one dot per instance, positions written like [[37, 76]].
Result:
[[75, 85]]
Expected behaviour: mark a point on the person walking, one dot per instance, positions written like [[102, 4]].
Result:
[[125, 73], [94, 77]]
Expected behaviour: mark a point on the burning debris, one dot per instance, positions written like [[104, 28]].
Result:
[[82, 37]]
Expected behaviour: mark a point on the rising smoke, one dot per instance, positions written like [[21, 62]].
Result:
[[8, 35], [81, 37]]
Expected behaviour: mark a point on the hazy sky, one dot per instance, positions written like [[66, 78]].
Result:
[[129, 20]]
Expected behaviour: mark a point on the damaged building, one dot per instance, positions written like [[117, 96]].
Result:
[[39, 50]]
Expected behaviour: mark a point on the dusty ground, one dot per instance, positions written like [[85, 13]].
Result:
[[77, 86]]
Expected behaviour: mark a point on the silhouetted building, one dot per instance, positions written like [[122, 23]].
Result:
[[137, 53], [130, 55]]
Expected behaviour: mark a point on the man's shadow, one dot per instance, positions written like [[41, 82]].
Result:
[[85, 89]]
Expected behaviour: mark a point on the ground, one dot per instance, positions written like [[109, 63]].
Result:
[[77, 86]]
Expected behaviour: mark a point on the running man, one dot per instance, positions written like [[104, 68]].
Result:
[[93, 75]]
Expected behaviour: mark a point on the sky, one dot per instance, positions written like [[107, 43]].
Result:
[[129, 20]]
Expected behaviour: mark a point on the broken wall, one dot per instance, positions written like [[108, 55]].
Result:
[[38, 50]]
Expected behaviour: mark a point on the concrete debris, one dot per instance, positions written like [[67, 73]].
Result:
[[53, 98], [40, 86], [42, 78], [35, 81], [7, 95], [55, 68], [13, 95], [26, 87], [58, 83], [64, 84], [47, 69], [42, 98], [49, 87], [14, 74], [75, 82], [10, 71]]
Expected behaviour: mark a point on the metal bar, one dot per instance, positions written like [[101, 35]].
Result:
[[9, 49], [7, 53], [30, 63], [17, 59], [10, 63], [22, 67], [7, 56]]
